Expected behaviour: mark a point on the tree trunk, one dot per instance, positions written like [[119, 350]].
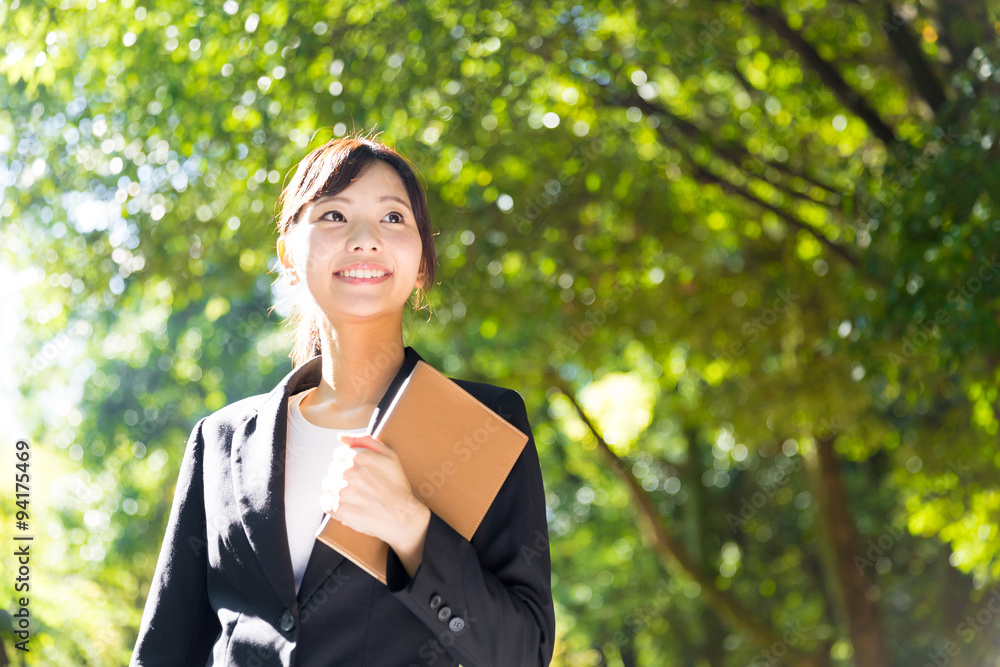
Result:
[[857, 593], [628, 653], [602, 660], [674, 556], [694, 516]]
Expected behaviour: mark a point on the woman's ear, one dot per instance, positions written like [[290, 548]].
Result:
[[285, 258]]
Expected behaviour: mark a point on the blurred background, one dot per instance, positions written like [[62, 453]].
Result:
[[740, 259]]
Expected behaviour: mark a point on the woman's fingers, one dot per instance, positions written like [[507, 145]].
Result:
[[354, 442], [344, 454], [329, 502], [334, 482]]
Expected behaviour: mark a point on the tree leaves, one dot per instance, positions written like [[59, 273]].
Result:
[[779, 216]]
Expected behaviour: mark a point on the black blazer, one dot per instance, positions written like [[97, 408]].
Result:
[[223, 592]]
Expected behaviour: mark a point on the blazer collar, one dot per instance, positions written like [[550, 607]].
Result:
[[258, 464]]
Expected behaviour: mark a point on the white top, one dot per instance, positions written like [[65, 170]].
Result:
[[308, 454]]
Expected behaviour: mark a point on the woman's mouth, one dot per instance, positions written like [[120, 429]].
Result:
[[363, 276]]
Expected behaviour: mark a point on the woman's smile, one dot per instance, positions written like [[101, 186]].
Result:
[[363, 273]]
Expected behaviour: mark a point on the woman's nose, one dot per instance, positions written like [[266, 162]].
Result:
[[364, 239]]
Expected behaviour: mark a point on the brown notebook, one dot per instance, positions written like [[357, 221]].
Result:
[[455, 452]]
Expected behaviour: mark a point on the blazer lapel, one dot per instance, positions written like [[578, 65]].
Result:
[[258, 464]]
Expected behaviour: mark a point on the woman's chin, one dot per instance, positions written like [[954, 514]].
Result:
[[363, 314]]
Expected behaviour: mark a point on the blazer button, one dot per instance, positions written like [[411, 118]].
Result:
[[456, 624], [444, 613], [287, 620], [435, 601]]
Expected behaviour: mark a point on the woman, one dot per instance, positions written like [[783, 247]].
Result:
[[241, 579]]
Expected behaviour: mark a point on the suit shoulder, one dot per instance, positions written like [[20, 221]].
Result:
[[483, 392], [506, 402], [227, 418]]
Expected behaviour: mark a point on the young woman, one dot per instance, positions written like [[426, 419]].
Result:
[[241, 578]]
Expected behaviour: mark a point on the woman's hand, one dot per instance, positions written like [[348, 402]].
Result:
[[365, 489]]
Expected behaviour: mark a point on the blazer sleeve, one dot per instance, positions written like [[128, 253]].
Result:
[[179, 625], [498, 585]]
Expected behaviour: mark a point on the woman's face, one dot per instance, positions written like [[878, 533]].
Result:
[[358, 252]]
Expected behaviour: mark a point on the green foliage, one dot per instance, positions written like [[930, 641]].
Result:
[[670, 200]]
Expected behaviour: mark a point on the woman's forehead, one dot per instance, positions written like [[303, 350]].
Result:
[[380, 186], [379, 176], [343, 197]]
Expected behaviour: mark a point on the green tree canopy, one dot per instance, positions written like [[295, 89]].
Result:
[[739, 258]]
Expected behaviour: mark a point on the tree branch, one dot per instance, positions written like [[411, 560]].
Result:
[[702, 174], [963, 25], [706, 176], [828, 74], [908, 49], [674, 556], [732, 151]]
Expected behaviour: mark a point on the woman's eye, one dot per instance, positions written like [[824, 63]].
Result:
[[395, 217], [337, 213]]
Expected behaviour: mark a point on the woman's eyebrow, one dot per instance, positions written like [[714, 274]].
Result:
[[350, 201]]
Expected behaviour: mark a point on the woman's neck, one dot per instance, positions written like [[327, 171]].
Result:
[[359, 363]]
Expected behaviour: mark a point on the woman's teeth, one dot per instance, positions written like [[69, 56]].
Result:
[[362, 273]]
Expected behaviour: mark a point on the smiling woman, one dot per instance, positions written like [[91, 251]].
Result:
[[324, 191], [241, 578], [359, 238]]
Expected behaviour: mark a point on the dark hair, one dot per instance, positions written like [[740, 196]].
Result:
[[328, 170]]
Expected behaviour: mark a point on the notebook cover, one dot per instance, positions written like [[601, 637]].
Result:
[[455, 452]]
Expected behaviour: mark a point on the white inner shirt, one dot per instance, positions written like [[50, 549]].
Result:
[[308, 454]]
